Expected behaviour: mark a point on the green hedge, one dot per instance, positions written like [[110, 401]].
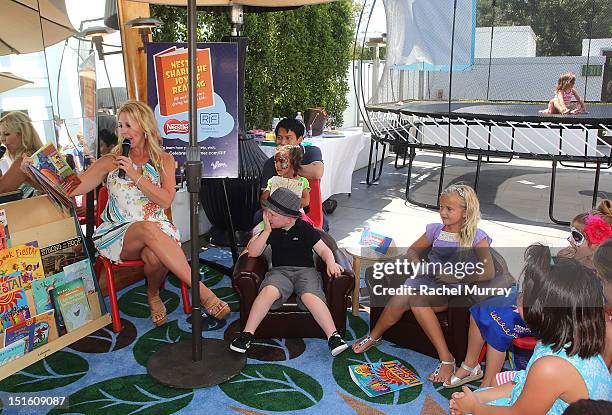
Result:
[[296, 59]]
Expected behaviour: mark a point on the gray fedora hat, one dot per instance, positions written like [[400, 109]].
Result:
[[284, 202]]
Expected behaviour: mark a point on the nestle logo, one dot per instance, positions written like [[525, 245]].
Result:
[[175, 126], [217, 165]]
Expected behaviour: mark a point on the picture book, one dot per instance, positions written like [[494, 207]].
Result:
[[12, 351], [13, 309], [44, 328], [23, 330], [55, 257], [72, 300], [52, 172], [59, 320], [5, 238], [81, 269], [377, 379], [24, 260], [41, 289]]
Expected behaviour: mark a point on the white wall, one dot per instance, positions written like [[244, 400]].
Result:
[[508, 41], [598, 46]]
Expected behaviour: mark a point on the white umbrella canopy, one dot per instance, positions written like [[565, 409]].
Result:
[[24, 30], [254, 3], [10, 81]]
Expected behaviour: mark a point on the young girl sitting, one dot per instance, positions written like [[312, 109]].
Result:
[[562, 102], [497, 321], [460, 213], [566, 364], [603, 264], [287, 161]]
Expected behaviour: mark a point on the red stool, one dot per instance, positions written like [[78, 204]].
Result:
[[110, 268]]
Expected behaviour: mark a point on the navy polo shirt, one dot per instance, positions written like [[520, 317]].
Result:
[[293, 247]]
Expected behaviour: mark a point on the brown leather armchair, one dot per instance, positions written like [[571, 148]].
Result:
[[289, 321], [454, 321]]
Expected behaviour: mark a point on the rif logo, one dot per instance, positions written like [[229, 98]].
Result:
[[209, 118], [175, 126]]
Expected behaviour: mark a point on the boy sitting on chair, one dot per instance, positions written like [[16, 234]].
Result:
[[292, 241]]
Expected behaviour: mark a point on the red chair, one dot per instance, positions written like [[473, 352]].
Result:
[[110, 268], [315, 212]]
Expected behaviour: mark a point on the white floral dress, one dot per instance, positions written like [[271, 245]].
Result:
[[127, 205]]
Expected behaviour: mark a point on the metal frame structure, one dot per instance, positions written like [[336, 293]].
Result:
[[409, 126]]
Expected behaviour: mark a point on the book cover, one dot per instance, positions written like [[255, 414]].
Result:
[[23, 330], [171, 73], [5, 237], [44, 325], [12, 351], [59, 320], [52, 172], [55, 257], [22, 259], [13, 309], [377, 379], [72, 300], [41, 290], [81, 269]]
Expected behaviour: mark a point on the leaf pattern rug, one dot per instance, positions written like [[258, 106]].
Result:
[[105, 373]]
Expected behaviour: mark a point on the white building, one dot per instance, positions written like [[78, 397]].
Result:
[[508, 42]]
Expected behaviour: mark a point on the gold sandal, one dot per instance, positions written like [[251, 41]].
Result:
[[216, 307], [158, 311]]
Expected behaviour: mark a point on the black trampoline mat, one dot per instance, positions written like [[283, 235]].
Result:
[[498, 111]]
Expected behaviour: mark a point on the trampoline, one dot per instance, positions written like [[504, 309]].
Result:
[[492, 132], [470, 78]]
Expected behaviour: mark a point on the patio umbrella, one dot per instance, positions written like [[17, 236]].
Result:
[[21, 24], [10, 81]]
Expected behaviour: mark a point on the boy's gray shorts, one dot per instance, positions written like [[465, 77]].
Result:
[[288, 280]]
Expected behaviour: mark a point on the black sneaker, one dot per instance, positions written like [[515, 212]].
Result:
[[242, 342], [336, 344]]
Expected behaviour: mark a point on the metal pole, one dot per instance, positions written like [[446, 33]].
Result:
[[193, 168]]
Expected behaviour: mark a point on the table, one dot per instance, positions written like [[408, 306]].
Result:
[[339, 157], [368, 256]]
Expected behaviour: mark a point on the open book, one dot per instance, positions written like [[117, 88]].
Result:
[[54, 175], [377, 379]]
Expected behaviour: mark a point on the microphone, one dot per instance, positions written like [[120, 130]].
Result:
[[2, 150], [125, 151]]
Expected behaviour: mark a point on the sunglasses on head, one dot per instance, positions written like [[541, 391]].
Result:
[[576, 236]]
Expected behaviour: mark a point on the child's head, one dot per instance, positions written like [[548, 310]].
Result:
[[602, 259], [589, 230], [282, 207], [566, 81], [287, 160], [289, 131], [563, 303], [589, 407], [459, 205]]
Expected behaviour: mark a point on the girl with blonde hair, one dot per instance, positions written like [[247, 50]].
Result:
[[454, 242], [21, 140], [564, 92], [134, 224]]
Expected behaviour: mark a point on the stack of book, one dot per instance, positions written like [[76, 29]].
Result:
[[43, 293]]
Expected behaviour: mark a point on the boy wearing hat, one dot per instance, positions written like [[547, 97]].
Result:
[[292, 241]]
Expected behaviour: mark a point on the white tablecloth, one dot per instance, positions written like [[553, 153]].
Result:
[[339, 157]]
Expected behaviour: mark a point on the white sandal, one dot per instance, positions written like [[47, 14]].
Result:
[[368, 342], [475, 373], [436, 372]]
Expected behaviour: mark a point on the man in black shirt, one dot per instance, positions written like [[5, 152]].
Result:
[[292, 241]]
